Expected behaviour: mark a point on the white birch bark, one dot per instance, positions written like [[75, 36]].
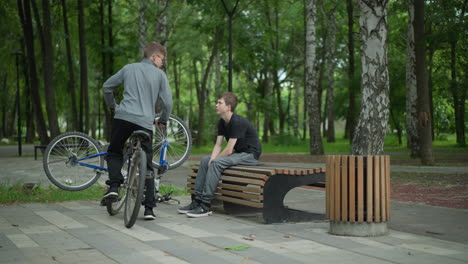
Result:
[[312, 95], [161, 22], [411, 89], [373, 118], [142, 27]]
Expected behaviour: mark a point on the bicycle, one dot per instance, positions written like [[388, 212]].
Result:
[[74, 161]]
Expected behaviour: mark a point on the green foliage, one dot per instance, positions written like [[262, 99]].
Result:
[[268, 40], [165, 189]]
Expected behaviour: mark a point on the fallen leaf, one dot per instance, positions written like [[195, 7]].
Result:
[[237, 247]]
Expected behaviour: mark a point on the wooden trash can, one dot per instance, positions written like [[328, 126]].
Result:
[[358, 194]]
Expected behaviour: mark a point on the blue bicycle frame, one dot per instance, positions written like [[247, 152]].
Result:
[[162, 159], [90, 165]]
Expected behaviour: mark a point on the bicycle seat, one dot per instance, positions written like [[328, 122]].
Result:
[[141, 135]]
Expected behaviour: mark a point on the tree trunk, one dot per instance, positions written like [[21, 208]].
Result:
[[312, 93], [142, 26], [397, 127], [160, 34], [274, 43], [29, 39], [412, 137], [48, 71], [430, 85], [5, 107], [202, 90], [110, 37], [458, 97], [331, 80], [296, 109], [175, 66], [424, 117], [71, 73], [218, 75], [84, 98], [373, 118], [350, 119]]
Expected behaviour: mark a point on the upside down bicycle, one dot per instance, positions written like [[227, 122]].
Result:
[[74, 161]]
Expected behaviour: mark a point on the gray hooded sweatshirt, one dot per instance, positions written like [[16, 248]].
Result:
[[143, 83]]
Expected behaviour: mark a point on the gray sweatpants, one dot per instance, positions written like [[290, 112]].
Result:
[[208, 176]]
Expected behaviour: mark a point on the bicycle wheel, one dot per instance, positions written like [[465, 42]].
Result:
[[62, 157], [114, 208], [135, 186], [180, 142]]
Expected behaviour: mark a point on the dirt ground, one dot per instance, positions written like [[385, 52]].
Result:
[[447, 190]]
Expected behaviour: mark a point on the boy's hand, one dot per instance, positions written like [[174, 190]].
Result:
[[159, 124]]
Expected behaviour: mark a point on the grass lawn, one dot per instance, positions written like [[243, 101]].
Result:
[[20, 194]]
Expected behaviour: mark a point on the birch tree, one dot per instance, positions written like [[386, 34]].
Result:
[[373, 118], [142, 26], [411, 91], [312, 93]]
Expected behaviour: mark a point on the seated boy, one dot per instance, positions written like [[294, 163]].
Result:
[[243, 148]]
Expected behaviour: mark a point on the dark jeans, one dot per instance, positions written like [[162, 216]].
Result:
[[121, 131]]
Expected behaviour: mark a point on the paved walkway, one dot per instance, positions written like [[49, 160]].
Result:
[[83, 232]]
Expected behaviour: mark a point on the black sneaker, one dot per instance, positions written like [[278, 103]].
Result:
[[187, 208], [200, 211], [112, 194], [149, 215]]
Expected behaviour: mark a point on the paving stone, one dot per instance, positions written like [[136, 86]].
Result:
[[187, 250], [11, 255]]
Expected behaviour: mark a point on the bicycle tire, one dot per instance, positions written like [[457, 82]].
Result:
[[135, 187], [114, 208], [60, 158], [177, 133]]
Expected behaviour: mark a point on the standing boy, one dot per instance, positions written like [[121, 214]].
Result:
[[243, 148], [143, 84]]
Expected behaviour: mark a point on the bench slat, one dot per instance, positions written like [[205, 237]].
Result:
[[231, 172], [231, 179], [241, 194], [242, 180], [236, 200], [191, 185], [239, 201], [254, 169]]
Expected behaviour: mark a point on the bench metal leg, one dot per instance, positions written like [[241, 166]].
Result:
[[275, 190]]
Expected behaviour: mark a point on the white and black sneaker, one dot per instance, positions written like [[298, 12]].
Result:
[[112, 194], [149, 215], [200, 211], [187, 208]]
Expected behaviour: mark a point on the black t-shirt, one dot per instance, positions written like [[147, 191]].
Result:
[[247, 138]]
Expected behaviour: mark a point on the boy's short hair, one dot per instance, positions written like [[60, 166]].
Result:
[[152, 48], [230, 99]]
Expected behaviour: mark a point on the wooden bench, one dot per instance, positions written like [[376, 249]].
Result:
[[263, 187]]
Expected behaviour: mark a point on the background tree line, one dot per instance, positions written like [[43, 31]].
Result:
[[298, 66]]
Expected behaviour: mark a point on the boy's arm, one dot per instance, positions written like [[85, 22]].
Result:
[[228, 150], [109, 86], [166, 98]]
